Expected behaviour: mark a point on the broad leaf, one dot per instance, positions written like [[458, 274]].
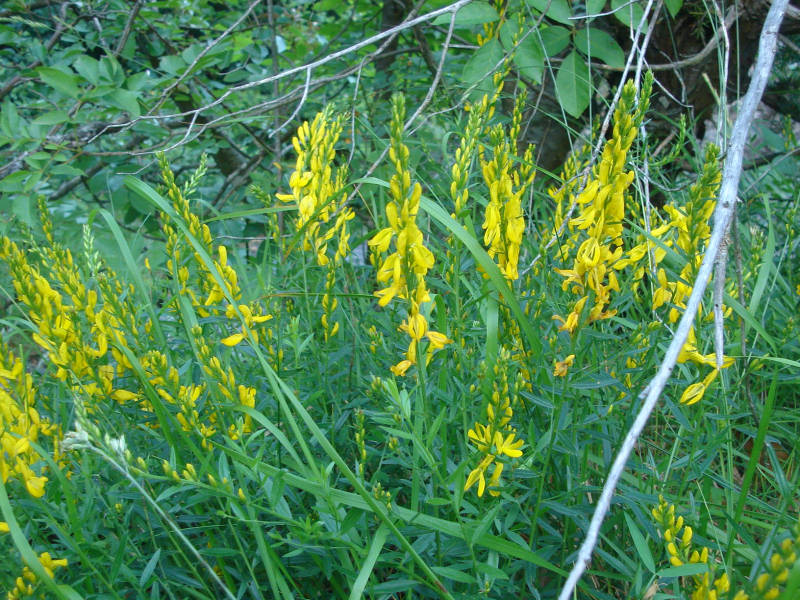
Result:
[[481, 64], [554, 39], [60, 81], [474, 13], [573, 84], [629, 13], [596, 43], [529, 59], [557, 10], [673, 6]]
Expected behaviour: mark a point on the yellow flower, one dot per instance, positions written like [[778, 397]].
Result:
[[506, 445], [438, 340], [477, 475], [400, 368], [694, 393], [562, 366]]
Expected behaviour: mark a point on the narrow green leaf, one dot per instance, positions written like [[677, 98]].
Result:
[[573, 84], [454, 574], [684, 570], [375, 548], [149, 568], [484, 524], [641, 545]]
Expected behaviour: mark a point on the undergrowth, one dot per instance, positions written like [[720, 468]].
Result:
[[413, 392]]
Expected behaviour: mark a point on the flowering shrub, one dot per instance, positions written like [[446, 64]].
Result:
[[208, 424]]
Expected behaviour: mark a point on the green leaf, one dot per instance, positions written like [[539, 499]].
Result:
[[557, 10], [573, 84], [454, 574], [554, 39], [88, 68], [127, 101], [641, 545], [172, 64], [65, 83], [673, 6], [51, 118], [149, 568], [10, 122], [111, 71], [369, 562], [684, 570], [529, 59], [474, 13], [627, 12], [595, 6], [596, 43], [30, 558], [481, 64], [484, 524]]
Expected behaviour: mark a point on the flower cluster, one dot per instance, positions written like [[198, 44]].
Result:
[[20, 424], [495, 439], [322, 214], [71, 328], [492, 28], [708, 586], [504, 223], [26, 584], [678, 542], [687, 232], [209, 280], [404, 270], [464, 154], [598, 227], [769, 585]]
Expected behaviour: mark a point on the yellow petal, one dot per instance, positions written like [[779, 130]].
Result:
[[234, 339]]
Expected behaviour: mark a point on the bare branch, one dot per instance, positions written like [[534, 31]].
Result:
[[389, 33]]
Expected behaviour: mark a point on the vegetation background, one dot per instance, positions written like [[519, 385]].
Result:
[[359, 299]]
